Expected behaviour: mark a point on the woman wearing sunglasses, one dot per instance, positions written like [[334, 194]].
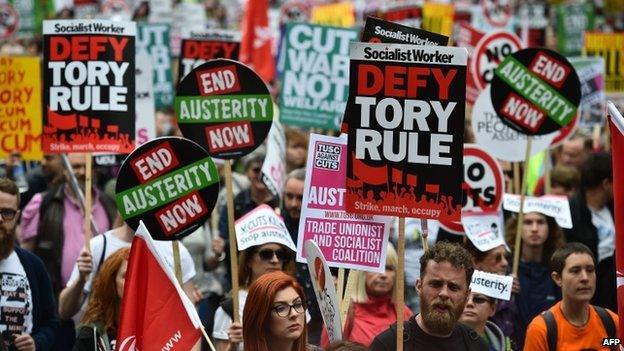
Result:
[[476, 313], [253, 263], [274, 316]]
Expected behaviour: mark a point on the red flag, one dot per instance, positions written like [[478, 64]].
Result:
[[155, 312], [397, 175], [432, 188], [256, 41], [617, 154]]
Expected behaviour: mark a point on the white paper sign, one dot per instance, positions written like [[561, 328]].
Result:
[[554, 206], [324, 289], [484, 229], [145, 110], [274, 166], [262, 226], [493, 285]]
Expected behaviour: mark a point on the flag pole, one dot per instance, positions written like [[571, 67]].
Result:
[[177, 266], [203, 330], [424, 236], [88, 201], [232, 238], [518, 241], [341, 285], [400, 283]]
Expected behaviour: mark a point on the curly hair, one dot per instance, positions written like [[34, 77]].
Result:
[[104, 303], [453, 253], [554, 241]]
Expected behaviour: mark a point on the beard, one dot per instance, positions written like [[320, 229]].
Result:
[[7, 242], [440, 322]]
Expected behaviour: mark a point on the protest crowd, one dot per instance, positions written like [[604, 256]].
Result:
[[311, 175]]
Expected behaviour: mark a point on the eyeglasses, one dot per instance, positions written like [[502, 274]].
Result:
[[267, 255], [7, 213], [480, 300], [283, 309]]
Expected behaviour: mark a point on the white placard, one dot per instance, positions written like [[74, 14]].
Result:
[[493, 285], [274, 166], [484, 229], [144, 105], [262, 226], [554, 206]]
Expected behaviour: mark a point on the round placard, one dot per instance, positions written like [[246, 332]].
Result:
[[225, 107], [171, 184]]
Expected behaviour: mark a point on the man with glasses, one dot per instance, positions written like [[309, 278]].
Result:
[[27, 308]]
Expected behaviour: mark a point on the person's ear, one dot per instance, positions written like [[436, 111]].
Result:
[[418, 286], [556, 278]]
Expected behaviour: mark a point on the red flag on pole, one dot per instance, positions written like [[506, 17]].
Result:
[[155, 312], [256, 41], [617, 152]]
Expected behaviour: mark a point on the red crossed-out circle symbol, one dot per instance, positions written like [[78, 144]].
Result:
[[491, 49]]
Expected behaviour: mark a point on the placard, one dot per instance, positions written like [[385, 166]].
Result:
[[438, 18], [377, 30], [591, 72], [492, 285], [535, 15], [486, 230], [406, 124], [89, 86], [315, 79], [483, 185], [225, 107], [10, 21], [324, 290], [405, 13], [347, 240], [571, 22], [20, 107], [498, 138], [145, 111], [274, 166], [338, 15], [554, 206], [169, 183], [201, 46], [491, 49], [262, 226], [535, 91], [609, 46], [153, 39]]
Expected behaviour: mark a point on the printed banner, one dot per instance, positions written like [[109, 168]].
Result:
[[336, 15], [225, 107], [170, 184], [591, 72], [377, 30], [262, 226], [498, 138], [145, 112], [20, 107], [535, 91], [324, 290], [535, 15], [572, 21], [153, 39], [491, 15], [201, 46], [493, 285], [89, 86], [557, 207], [315, 78], [347, 240], [438, 18], [609, 46], [274, 165], [406, 123], [486, 230]]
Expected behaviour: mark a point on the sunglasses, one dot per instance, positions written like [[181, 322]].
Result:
[[7, 213], [267, 255]]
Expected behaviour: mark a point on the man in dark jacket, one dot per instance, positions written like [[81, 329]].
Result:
[[27, 309]]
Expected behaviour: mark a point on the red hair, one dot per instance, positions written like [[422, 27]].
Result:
[[258, 308]]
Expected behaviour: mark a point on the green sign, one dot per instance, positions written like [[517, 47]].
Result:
[[153, 39], [572, 20], [315, 76]]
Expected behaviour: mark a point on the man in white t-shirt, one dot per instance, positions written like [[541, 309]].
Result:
[[74, 295], [27, 309]]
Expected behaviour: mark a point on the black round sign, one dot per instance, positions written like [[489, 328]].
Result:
[[536, 91], [171, 184], [225, 107]]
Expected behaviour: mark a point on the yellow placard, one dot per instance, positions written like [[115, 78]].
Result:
[[336, 15], [20, 106], [438, 18], [609, 46]]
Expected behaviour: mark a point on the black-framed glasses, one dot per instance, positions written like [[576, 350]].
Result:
[[267, 254], [283, 309], [480, 300], [7, 213]]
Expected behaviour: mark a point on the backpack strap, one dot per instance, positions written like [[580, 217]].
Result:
[[551, 329], [607, 322], [102, 256]]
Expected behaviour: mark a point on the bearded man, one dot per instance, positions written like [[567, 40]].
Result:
[[445, 274], [27, 308]]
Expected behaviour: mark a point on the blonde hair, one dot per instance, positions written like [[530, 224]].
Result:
[[360, 295]]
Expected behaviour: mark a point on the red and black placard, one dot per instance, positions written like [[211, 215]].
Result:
[[88, 86], [377, 30], [201, 47], [169, 183]]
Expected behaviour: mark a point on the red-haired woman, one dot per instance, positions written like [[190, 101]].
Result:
[[274, 316], [99, 323]]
